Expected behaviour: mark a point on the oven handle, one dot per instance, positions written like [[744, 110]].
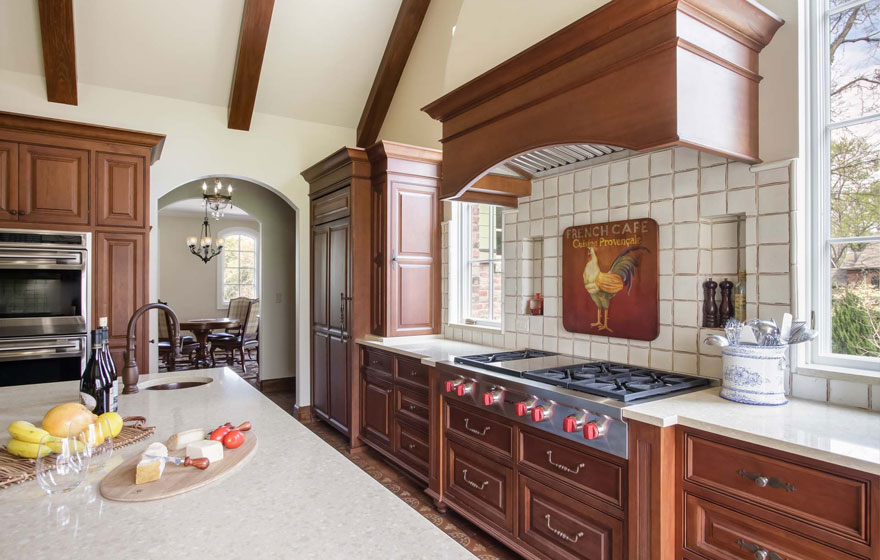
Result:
[[45, 351]]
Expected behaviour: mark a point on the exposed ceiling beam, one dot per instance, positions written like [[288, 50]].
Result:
[[249, 61], [59, 50], [400, 43], [518, 170]]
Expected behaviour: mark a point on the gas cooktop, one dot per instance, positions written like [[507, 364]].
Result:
[[605, 379]]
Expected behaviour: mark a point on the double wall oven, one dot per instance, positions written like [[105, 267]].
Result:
[[44, 306]]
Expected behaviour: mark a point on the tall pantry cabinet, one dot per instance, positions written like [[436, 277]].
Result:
[[375, 258]]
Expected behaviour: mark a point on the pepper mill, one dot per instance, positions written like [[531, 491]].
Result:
[[710, 309], [726, 309]]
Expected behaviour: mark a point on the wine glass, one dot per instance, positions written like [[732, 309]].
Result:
[[98, 443], [61, 464]]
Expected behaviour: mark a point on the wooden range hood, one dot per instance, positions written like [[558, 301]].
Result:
[[635, 74]]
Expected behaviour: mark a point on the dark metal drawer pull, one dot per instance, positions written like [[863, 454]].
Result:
[[563, 468], [414, 373], [411, 446], [760, 553], [412, 407], [562, 535], [478, 432], [474, 484], [764, 481]]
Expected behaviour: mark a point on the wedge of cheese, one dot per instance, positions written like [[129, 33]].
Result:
[[181, 440], [151, 466], [213, 450]]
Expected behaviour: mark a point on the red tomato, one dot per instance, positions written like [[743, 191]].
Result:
[[219, 433], [233, 439]]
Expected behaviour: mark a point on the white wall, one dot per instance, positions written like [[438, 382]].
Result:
[[185, 282], [198, 143]]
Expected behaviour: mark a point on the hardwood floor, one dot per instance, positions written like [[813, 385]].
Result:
[[407, 489]]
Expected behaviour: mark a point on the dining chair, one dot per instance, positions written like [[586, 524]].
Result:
[[238, 309], [248, 338], [186, 345]]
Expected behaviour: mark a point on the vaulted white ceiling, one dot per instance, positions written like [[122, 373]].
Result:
[[321, 55]]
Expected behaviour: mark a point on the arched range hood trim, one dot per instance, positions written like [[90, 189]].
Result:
[[635, 74]]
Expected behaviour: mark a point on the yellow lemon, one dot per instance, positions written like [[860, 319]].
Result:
[[114, 420]]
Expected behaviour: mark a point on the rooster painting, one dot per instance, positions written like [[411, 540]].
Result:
[[602, 286]]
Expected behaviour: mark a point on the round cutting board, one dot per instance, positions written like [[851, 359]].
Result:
[[119, 483]]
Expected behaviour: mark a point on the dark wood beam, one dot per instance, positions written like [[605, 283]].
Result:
[[249, 62], [59, 50], [518, 170], [400, 43]]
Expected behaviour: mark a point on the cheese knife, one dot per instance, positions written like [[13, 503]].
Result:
[[199, 463]]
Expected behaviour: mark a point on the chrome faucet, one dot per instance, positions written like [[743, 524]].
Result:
[[130, 370]]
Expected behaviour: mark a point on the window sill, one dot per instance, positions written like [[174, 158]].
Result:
[[839, 373], [477, 328]]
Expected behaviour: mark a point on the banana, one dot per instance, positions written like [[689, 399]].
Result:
[[26, 449], [27, 432], [57, 447]]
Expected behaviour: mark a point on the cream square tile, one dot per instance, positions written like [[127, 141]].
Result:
[[685, 313], [522, 213], [725, 235], [848, 393], [684, 339], [523, 230], [639, 356], [666, 235], [684, 363], [565, 222], [725, 261], [661, 187], [665, 312], [600, 176], [581, 219], [661, 163], [811, 388], [713, 178], [621, 213], [742, 201], [566, 204], [665, 286], [773, 229], [582, 180], [536, 209], [686, 183], [536, 325], [599, 198], [617, 195], [705, 263], [551, 245], [875, 397], [707, 159], [685, 158], [773, 199], [537, 228], [774, 288], [619, 172], [537, 190], [551, 207], [664, 339], [687, 235], [751, 228], [713, 205], [710, 366], [666, 257], [551, 187], [685, 287], [565, 346], [639, 191], [522, 340], [599, 216], [661, 359], [773, 258], [639, 211], [566, 183], [582, 201], [705, 235], [662, 211], [739, 175], [599, 350], [686, 261], [751, 258], [618, 353], [638, 167], [581, 348], [686, 209], [778, 175]]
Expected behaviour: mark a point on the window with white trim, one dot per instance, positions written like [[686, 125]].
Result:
[[479, 270], [844, 183], [238, 274]]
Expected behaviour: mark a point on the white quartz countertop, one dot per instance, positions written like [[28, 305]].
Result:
[[297, 497], [840, 435], [428, 349]]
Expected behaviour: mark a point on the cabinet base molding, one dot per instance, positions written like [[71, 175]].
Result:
[[303, 413], [278, 385]]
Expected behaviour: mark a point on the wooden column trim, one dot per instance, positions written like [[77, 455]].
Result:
[[59, 50], [651, 492], [400, 43], [249, 61]]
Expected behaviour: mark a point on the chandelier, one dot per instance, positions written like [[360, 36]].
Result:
[[217, 202], [205, 246]]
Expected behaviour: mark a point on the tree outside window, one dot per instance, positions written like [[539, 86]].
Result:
[[481, 266], [239, 268]]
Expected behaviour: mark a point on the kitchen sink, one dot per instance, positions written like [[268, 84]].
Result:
[[174, 383]]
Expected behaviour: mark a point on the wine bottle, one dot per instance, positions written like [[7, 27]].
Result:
[[109, 365], [87, 381], [739, 296], [94, 387]]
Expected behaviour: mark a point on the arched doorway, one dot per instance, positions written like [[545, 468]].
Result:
[[269, 220]]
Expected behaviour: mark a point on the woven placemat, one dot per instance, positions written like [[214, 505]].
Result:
[[15, 470]]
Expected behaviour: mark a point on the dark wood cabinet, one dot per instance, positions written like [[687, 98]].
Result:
[[120, 286], [376, 410], [8, 181], [121, 190], [53, 185], [405, 239]]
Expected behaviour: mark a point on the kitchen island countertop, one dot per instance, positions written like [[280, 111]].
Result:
[[297, 497], [428, 349], [840, 435]]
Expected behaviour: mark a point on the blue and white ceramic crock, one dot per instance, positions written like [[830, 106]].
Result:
[[754, 374]]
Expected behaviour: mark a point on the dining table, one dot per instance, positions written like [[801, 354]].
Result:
[[201, 328]]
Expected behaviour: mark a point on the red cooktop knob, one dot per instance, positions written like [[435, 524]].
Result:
[[591, 430], [537, 414], [569, 424], [488, 399], [521, 409], [449, 386], [463, 389]]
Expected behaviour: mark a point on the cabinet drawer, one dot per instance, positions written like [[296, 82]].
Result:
[[829, 500], [411, 405], [588, 473], [331, 207], [481, 485], [478, 428], [558, 526], [412, 372], [412, 446], [376, 421], [723, 534], [376, 360]]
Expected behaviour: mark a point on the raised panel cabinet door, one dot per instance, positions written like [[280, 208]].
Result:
[[53, 185], [413, 229], [120, 189], [320, 326], [376, 411], [120, 288], [8, 181], [339, 383], [320, 379], [338, 289]]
